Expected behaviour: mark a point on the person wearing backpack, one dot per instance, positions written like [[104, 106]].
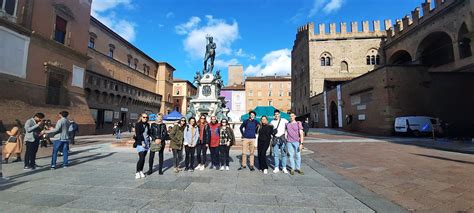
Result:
[[295, 138], [279, 142], [248, 130], [191, 137]]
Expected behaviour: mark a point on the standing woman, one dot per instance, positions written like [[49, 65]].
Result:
[[191, 137], [159, 135], [264, 137], [15, 146], [227, 139], [176, 145], [142, 143]]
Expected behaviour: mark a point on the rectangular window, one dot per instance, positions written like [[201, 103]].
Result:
[[60, 30], [270, 103], [281, 93], [91, 43], [129, 62], [111, 52], [251, 93], [270, 85], [77, 76], [270, 94], [8, 6], [57, 94]]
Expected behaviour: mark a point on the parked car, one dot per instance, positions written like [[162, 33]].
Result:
[[417, 125]]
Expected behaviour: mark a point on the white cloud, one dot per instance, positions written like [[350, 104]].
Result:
[[240, 53], [224, 64], [195, 30], [333, 6], [327, 6], [169, 15], [103, 11], [275, 62], [185, 28]]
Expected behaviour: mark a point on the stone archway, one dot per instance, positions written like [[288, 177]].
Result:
[[400, 57], [436, 49]]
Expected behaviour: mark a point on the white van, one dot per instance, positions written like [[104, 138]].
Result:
[[416, 125]]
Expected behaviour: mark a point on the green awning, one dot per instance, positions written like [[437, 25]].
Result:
[[267, 111]]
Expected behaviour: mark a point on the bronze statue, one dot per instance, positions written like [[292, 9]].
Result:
[[197, 78], [210, 54]]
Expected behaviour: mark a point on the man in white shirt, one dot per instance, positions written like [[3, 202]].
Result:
[[279, 142]]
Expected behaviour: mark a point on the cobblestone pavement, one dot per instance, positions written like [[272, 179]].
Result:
[[419, 179], [101, 178]]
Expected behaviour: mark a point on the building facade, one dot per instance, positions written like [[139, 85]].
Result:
[[428, 71], [183, 92], [165, 86], [43, 60], [322, 60], [120, 79], [268, 91], [236, 100], [236, 75]]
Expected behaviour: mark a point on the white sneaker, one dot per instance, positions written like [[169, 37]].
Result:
[[137, 175], [227, 168], [285, 171], [202, 167], [265, 171], [276, 170], [222, 168], [142, 175], [198, 167]]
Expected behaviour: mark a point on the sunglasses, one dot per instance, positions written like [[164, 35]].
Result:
[[183, 120], [144, 117]]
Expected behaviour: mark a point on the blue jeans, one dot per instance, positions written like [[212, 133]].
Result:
[[277, 150], [65, 146], [118, 134], [294, 150]]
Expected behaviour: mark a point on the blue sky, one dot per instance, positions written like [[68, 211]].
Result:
[[258, 34]]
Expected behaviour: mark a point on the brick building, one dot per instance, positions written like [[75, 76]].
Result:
[[268, 91], [43, 60], [322, 60], [236, 75], [183, 91], [120, 79], [428, 71]]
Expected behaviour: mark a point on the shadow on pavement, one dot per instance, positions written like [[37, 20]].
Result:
[[444, 158]]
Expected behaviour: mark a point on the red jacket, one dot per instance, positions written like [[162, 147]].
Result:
[[214, 134]]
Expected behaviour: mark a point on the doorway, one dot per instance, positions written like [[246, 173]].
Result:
[[334, 115]]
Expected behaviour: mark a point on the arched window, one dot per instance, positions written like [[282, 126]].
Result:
[[464, 42], [377, 60], [344, 66], [368, 60], [373, 58], [326, 59]]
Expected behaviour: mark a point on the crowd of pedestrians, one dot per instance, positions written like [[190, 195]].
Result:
[[194, 137]]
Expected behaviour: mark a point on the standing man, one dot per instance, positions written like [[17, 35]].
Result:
[[279, 142], [33, 133], [203, 142], [214, 142], [248, 130], [295, 138], [73, 130], [61, 128]]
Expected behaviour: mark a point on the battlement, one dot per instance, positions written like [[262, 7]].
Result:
[[409, 22], [343, 32]]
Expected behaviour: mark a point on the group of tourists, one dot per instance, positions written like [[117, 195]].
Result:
[[194, 137], [35, 130]]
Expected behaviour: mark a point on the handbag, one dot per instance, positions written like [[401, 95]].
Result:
[[12, 139], [154, 147], [275, 131]]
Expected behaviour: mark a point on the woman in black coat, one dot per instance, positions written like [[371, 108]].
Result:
[[142, 143], [264, 137]]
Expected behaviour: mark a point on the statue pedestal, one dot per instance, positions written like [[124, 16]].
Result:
[[207, 101]]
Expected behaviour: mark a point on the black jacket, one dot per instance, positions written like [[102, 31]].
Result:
[[139, 130], [159, 131], [206, 136]]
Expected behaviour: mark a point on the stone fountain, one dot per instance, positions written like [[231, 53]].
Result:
[[208, 100]]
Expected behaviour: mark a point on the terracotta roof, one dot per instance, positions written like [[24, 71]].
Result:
[[268, 78], [234, 87]]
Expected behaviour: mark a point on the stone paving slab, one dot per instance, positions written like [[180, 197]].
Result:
[[103, 180]]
